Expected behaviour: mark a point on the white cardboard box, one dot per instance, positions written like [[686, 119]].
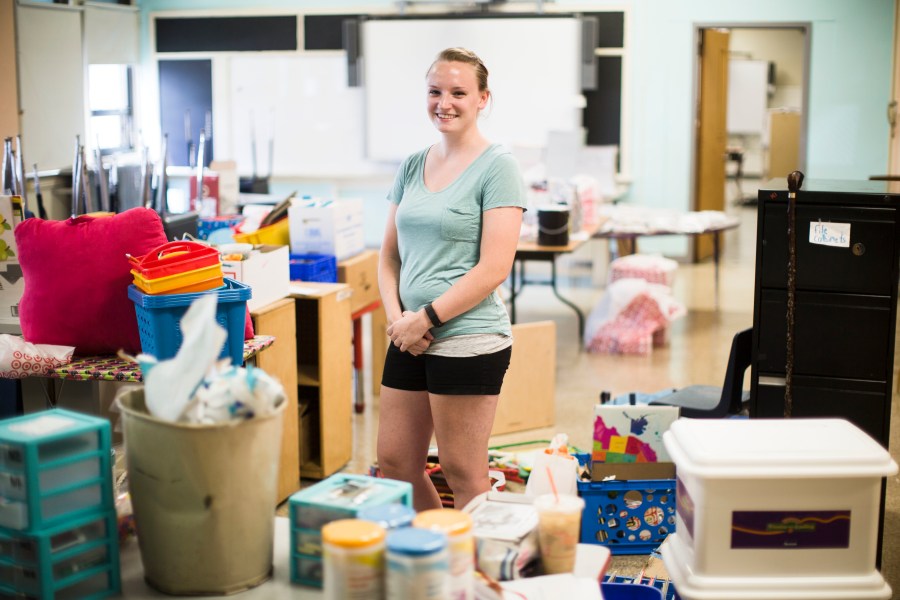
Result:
[[334, 228], [12, 283], [266, 271]]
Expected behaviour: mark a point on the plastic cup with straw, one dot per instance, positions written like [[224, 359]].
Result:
[[559, 526]]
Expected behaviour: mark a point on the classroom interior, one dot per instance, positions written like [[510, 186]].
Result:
[[812, 82]]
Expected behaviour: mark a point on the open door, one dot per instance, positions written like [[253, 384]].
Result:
[[893, 109], [712, 137]]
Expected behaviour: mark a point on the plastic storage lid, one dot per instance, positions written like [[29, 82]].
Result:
[[412, 541], [389, 516], [775, 448], [448, 520], [352, 533]]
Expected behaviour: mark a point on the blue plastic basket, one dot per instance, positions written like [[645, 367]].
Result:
[[313, 267], [627, 591], [628, 517], [159, 319]]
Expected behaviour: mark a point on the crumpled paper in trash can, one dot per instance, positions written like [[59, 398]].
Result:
[[195, 386]]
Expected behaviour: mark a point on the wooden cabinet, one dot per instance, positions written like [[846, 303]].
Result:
[[279, 361], [324, 376], [845, 302]]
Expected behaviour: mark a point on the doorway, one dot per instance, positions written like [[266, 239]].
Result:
[[751, 110]]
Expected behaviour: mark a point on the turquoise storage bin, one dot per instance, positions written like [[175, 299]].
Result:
[[54, 466], [340, 496], [76, 559]]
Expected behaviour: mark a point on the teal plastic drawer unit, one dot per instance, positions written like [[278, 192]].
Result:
[[340, 496], [54, 465], [78, 559]]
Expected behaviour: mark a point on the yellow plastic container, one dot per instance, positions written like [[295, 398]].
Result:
[[461, 544], [276, 234], [353, 559], [196, 280]]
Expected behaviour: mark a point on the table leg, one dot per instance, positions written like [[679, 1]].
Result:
[[716, 244], [565, 301], [359, 404]]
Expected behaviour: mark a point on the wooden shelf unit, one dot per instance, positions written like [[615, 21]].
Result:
[[324, 376], [279, 361]]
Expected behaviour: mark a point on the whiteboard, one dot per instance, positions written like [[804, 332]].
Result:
[[534, 76], [748, 82], [302, 104]]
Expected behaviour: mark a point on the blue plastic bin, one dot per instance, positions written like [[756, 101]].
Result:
[[159, 319], [313, 267], [628, 517], [627, 591]]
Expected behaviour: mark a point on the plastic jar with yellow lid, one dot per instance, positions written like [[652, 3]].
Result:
[[458, 527], [353, 560]]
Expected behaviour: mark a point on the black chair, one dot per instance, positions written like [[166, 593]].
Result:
[[709, 401]]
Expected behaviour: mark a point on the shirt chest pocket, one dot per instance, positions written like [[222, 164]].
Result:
[[460, 224]]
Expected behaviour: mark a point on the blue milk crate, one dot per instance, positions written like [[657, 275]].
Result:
[[76, 559], [159, 319], [340, 496], [628, 517], [54, 465], [313, 267]]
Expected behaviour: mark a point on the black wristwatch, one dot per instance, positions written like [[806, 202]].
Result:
[[432, 316]]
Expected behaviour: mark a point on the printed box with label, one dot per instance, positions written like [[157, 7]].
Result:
[[361, 274], [266, 271], [12, 283], [330, 227]]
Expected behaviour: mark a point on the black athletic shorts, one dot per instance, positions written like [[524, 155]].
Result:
[[459, 376]]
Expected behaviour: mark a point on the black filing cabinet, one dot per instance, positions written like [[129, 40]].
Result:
[[845, 302]]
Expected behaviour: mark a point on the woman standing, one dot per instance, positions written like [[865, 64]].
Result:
[[451, 235]]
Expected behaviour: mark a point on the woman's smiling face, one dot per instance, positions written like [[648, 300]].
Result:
[[454, 99]]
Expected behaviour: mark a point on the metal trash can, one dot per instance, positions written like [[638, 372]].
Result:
[[204, 498]]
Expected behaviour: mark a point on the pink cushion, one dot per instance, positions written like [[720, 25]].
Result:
[[77, 276]]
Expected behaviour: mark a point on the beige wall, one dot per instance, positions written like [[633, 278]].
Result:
[[9, 94]]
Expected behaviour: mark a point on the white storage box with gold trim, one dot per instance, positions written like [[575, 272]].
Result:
[[778, 508]]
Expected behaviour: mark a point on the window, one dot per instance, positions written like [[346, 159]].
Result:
[[111, 102]]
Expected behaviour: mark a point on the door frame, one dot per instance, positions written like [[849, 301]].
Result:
[[806, 27]]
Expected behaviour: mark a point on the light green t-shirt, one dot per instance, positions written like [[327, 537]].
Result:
[[439, 233]]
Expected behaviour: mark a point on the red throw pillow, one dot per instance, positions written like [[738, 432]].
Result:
[[77, 276]]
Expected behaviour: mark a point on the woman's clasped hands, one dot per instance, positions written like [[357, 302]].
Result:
[[411, 332]]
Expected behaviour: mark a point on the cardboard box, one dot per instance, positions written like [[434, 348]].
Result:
[[528, 396], [12, 283], [331, 227], [266, 271], [208, 205], [228, 185], [361, 274]]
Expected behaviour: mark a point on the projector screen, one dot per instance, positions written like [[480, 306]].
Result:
[[534, 76]]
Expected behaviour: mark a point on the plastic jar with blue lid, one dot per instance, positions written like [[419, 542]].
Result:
[[418, 567], [389, 516]]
